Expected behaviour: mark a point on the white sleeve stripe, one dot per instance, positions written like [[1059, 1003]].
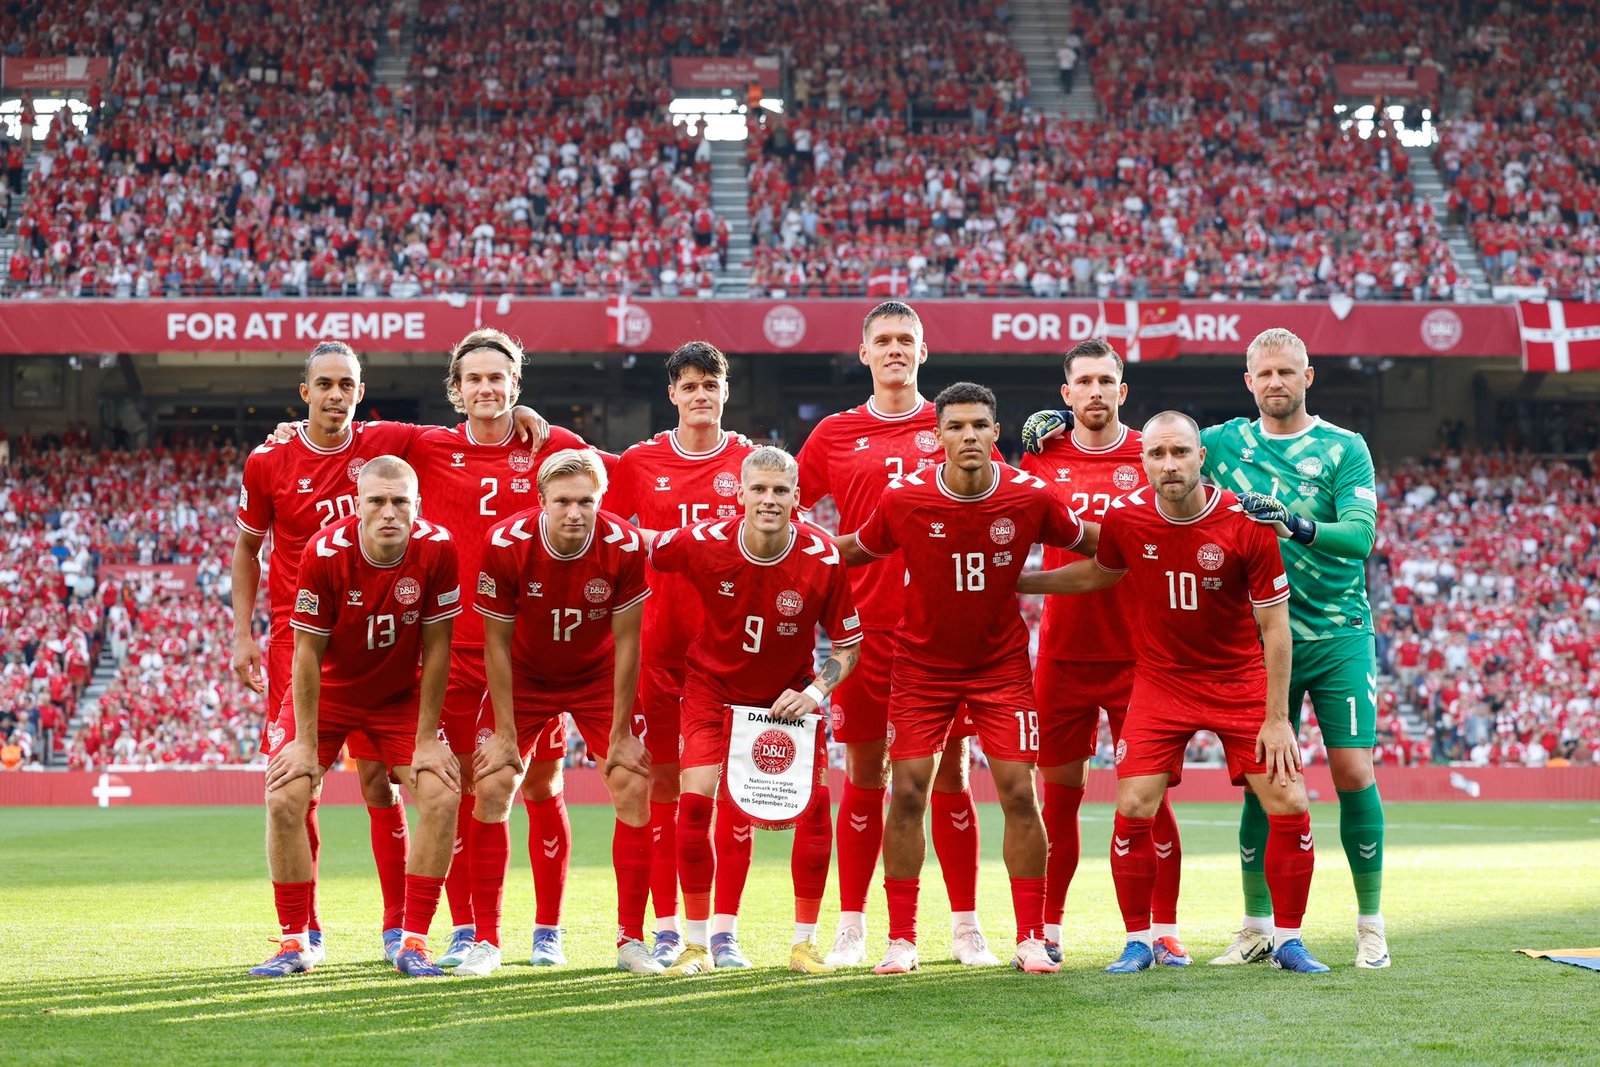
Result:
[[481, 610], [868, 551], [249, 529], [1279, 599], [1109, 570], [846, 642], [640, 599], [452, 613], [295, 624]]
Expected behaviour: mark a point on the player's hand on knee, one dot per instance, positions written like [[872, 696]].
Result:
[[247, 665], [1041, 426], [497, 752], [1276, 747], [434, 756], [297, 759], [627, 753]]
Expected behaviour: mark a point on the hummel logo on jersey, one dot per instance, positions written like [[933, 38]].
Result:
[[1062, 472], [1150, 552], [458, 459], [727, 589], [305, 485], [1121, 845], [663, 483], [353, 598], [1245, 454], [935, 529], [536, 589], [862, 443]]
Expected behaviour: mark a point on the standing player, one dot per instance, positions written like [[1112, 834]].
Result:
[[1205, 579], [764, 585], [473, 475], [561, 589], [1086, 648], [678, 477], [965, 528], [852, 456], [1313, 482], [375, 593]]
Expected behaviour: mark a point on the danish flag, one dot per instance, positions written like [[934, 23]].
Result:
[[1559, 335], [1140, 331]]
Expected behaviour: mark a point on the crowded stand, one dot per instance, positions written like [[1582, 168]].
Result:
[[1484, 580]]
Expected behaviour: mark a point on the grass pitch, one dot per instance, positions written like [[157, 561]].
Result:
[[128, 932]]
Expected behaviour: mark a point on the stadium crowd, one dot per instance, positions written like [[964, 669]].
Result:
[[1486, 581]]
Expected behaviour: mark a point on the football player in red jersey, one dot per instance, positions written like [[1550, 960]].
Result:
[[964, 529], [852, 456], [375, 594], [1214, 654], [765, 584], [473, 475], [561, 589], [1086, 652], [300, 480], [673, 479]]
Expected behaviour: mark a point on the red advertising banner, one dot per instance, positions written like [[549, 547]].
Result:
[[55, 327], [721, 72], [1373, 79], [171, 577], [584, 785], [57, 72]]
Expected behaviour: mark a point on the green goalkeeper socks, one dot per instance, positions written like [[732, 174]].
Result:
[[1361, 831], [1253, 858]]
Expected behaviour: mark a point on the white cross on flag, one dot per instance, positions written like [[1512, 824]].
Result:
[[1559, 335], [1140, 331]]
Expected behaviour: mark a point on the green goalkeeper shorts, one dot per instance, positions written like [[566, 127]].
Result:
[[1341, 674]]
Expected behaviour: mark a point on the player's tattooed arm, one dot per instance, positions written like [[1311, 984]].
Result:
[[1084, 576], [792, 706]]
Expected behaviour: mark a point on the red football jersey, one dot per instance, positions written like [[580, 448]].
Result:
[[1195, 582], [562, 605], [661, 486], [374, 613], [1095, 626], [295, 489], [468, 486], [963, 555], [760, 616]]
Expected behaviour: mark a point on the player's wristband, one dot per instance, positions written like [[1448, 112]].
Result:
[[1302, 529], [815, 694]]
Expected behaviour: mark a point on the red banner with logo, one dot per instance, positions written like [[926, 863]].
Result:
[[1376, 79], [739, 326], [57, 72], [726, 73], [171, 577]]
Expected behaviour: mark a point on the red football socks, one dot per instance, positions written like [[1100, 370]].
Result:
[[697, 864], [549, 844], [390, 846], [664, 864], [902, 894], [1291, 857], [491, 855], [458, 883], [955, 842], [630, 857], [735, 843], [422, 900], [1169, 865], [1061, 804], [293, 901], [1027, 901], [1133, 869], [813, 848], [860, 839]]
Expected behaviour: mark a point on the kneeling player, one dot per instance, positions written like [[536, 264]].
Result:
[[560, 590], [1205, 577], [765, 584], [377, 592]]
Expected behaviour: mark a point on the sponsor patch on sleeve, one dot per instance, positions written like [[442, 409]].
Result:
[[1280, 582], [307, 603], [446, 599], [1361, 492], [486, 587], [244, 499], [853, 622]]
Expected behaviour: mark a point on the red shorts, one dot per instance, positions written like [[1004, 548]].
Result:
[[465, 695], [1162, 716], [1070, 694], [279, 664], [859, 707], [390, 731], [660, 692], [706, 727], [923, 712], [542, 723]]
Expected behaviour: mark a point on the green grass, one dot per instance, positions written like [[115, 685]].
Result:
[[127, 933]]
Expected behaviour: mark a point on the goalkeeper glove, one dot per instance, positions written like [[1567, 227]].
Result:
[[1263, 508], [1042, 426]]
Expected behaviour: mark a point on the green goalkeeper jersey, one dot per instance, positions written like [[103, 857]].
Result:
[[1324, 473]]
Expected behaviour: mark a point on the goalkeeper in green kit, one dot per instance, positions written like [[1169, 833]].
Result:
[[1313, 482]]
